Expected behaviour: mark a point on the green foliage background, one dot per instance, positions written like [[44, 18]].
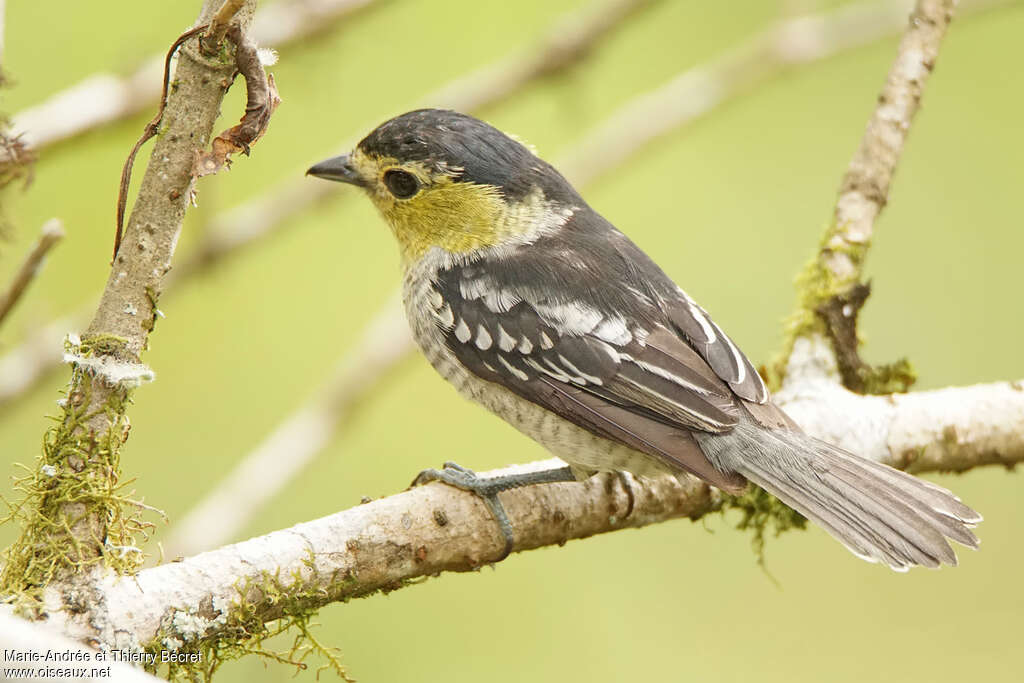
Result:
[[731, 207]]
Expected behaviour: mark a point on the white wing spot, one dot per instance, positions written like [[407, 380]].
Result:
[[436, 300], [525, 345], [505, 341], [573, 318], [551, 370], [496, 300], [462, 331], [483, 338], [613, 331], [572, 368], [513, 369], [545, 341]]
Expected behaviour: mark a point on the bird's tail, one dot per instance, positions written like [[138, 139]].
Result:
[[881, 514]]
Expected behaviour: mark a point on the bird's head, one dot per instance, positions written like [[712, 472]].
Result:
[[447, 180]]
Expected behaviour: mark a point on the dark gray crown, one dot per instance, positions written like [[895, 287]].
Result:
[[448, 139]]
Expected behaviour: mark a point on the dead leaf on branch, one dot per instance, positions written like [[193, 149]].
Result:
[[262, 100]]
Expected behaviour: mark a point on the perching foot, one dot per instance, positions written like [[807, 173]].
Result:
[[488, 488]]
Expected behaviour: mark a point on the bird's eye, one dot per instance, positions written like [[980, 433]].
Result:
[[401, 184]]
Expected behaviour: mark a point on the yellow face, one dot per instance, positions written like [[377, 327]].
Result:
[[426, 208]]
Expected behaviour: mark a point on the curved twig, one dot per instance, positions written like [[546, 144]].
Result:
[[150, 130]]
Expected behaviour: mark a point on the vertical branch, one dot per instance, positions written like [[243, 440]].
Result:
[[831, 288], [75, 516]]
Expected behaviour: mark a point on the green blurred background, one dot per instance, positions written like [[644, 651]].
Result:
[[731, 207]]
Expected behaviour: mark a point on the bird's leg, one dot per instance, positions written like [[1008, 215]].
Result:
[[488, 488]]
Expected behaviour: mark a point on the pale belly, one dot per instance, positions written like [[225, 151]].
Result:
[[584, 451]]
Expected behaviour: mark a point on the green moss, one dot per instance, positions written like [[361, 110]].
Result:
[[815, 284], [99, 345], [241, 629], [817, 287], [761, 512], [74, 512]]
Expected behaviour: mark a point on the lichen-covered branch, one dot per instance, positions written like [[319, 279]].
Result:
[[75, 515], [102, 99], [389, 543], [830, 287], [945, 430], [51, 233]]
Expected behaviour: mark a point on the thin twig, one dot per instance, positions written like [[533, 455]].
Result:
[[51, 233], [832, 282], [218, 27]]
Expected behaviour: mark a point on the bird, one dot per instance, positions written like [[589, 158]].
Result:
[[533, 305]]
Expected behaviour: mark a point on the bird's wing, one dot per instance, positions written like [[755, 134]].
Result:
[[715, 347], [642, 386]]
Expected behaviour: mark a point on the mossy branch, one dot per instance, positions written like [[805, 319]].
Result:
[[400, 540], [830, 288], [76, 515]]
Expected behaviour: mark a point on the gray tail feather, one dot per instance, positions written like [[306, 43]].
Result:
[[881, 514]]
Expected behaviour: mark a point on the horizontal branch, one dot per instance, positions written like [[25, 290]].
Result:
[[387, 543], [944, 430]]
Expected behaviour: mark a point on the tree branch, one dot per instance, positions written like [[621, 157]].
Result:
[[237, 228], [831, 288], [268, 468], [51, 233], [77, 518], [19, 635], [218, 27], [391, 542], [103, 99]]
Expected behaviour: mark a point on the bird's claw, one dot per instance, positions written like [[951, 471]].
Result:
[[467, 480]]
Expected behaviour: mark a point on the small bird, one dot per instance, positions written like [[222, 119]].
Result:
[[533, 305]]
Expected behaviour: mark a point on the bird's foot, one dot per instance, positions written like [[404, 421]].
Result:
[[488, 488]]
